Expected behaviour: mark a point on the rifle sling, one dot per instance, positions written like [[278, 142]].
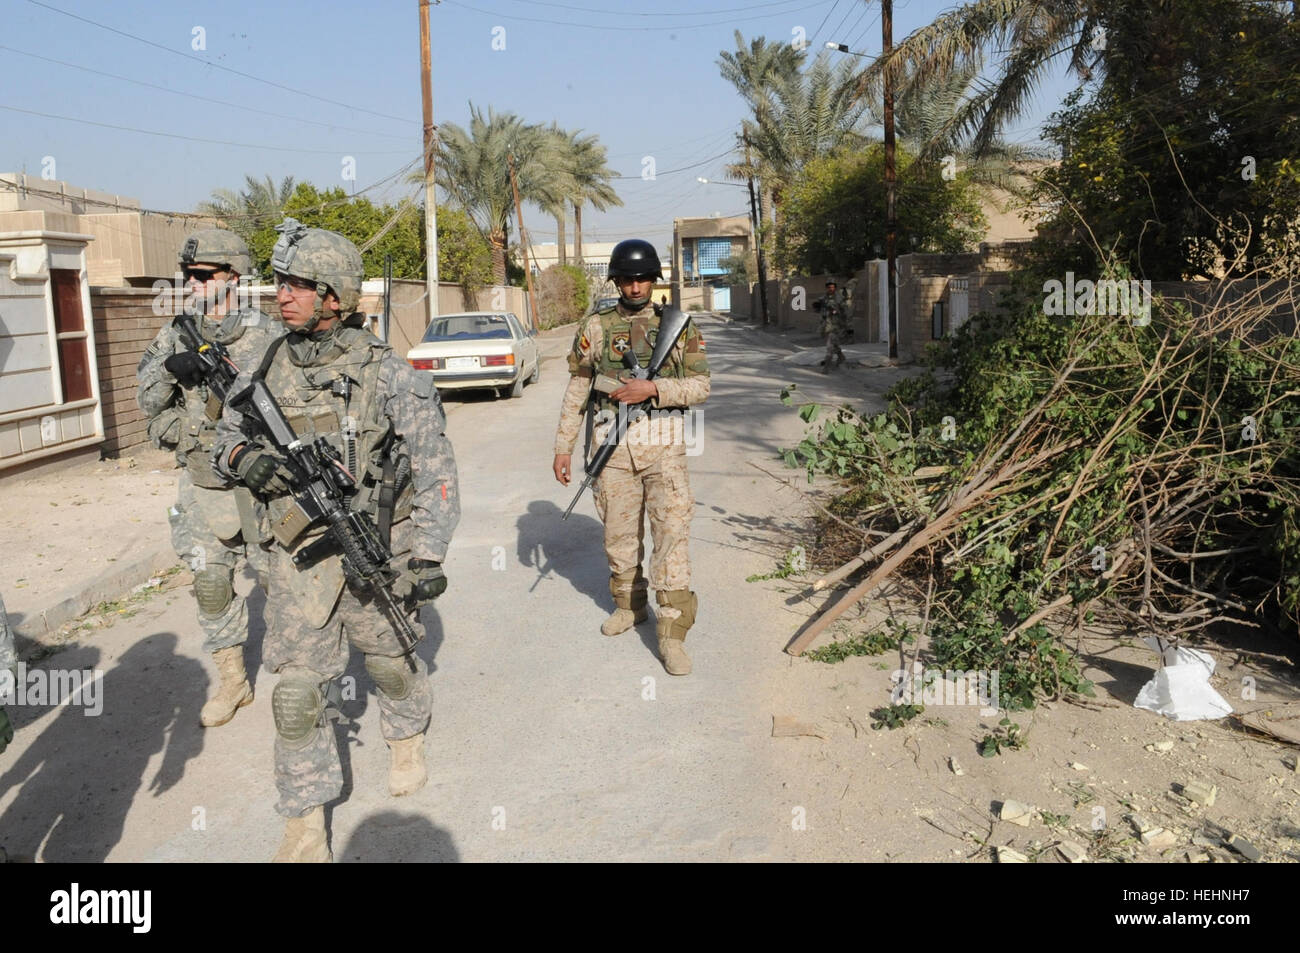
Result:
[[260, 373], [387, 494]]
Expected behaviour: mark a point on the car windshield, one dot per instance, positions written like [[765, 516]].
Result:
[[467, 327]]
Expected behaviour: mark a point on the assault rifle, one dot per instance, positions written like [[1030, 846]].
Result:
[[321, 487], [206, 360], [672, 324]]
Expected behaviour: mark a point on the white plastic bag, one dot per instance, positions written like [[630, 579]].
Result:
[[1181, 688]]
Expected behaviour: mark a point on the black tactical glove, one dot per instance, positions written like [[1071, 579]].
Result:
[[263, 472], [6, 730], [186, 367], [422, 582]]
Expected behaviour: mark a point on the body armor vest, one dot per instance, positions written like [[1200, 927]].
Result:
[[620, 334], [336, 395], [202, 408]]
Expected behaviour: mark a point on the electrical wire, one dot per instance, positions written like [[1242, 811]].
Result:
[[206, 99], [218, 66], [607, 27], [176, 135], [683, 13]]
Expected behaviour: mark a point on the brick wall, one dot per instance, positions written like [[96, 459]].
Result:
[[125, 323]]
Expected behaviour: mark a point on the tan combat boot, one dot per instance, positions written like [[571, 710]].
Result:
[[672, 629], [631, 606], [406, 772], [234, 693], [304, 840]]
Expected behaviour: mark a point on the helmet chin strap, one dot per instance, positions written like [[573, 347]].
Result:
[[636, 304], [318, 312]]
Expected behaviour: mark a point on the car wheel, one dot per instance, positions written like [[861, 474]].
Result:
[[537, 372]]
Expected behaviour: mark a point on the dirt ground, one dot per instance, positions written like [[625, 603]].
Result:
[[1095, 771], [45, 559]]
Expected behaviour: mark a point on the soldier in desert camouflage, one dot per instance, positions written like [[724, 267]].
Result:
[[647, 475], [333, 379], [214, 527]]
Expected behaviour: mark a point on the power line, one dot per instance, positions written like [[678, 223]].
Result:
[[685, 168], [847, 13], [829, 13], [177, 92], [229, 218], [226, 69], [702, 13], [608, 27], [175, 135]]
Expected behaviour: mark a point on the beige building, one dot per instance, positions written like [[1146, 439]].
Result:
[[49, 377], [64, 372], [131, 247], [699, 247]]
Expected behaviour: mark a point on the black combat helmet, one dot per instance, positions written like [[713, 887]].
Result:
[[634, 258]]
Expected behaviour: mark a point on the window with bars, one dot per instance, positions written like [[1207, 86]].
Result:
[[711, 252]]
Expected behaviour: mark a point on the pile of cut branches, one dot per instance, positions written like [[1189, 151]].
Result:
[[1141, 471]]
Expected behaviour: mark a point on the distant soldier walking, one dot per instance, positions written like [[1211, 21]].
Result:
[[647, 474], [835, 325], [213, 526]]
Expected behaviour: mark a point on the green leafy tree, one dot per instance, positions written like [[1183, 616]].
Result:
[[561, 295], [463, 253], [835, 214], [1184, 160]]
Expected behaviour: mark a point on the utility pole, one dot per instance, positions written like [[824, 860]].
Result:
[[430, 206], [756, 214], [523, 242], [891, 220]]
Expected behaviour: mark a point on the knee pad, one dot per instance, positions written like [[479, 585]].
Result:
[[297, 704], [686, 603], [213, 591], [628, 589], [393, 676]]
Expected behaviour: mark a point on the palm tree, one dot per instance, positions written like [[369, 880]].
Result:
[[474, 169], [1033, 32], [258, 204], [591, 177], [810, 114], [756, 70], [923, 120], [561, 146]]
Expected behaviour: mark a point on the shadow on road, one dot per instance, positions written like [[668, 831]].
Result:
[[390, 837], [573, 549], [79, 777]]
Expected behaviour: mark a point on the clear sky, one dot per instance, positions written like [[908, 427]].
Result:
[[289, 87]]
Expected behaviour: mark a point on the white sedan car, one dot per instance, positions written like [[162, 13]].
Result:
[[479, 349]]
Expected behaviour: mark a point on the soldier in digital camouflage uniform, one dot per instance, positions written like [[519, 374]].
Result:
[[8, 665], [647, 475], [835, 324], [213, 526], [334, 379]]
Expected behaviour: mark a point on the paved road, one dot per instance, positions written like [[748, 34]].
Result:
[[548, 742]]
